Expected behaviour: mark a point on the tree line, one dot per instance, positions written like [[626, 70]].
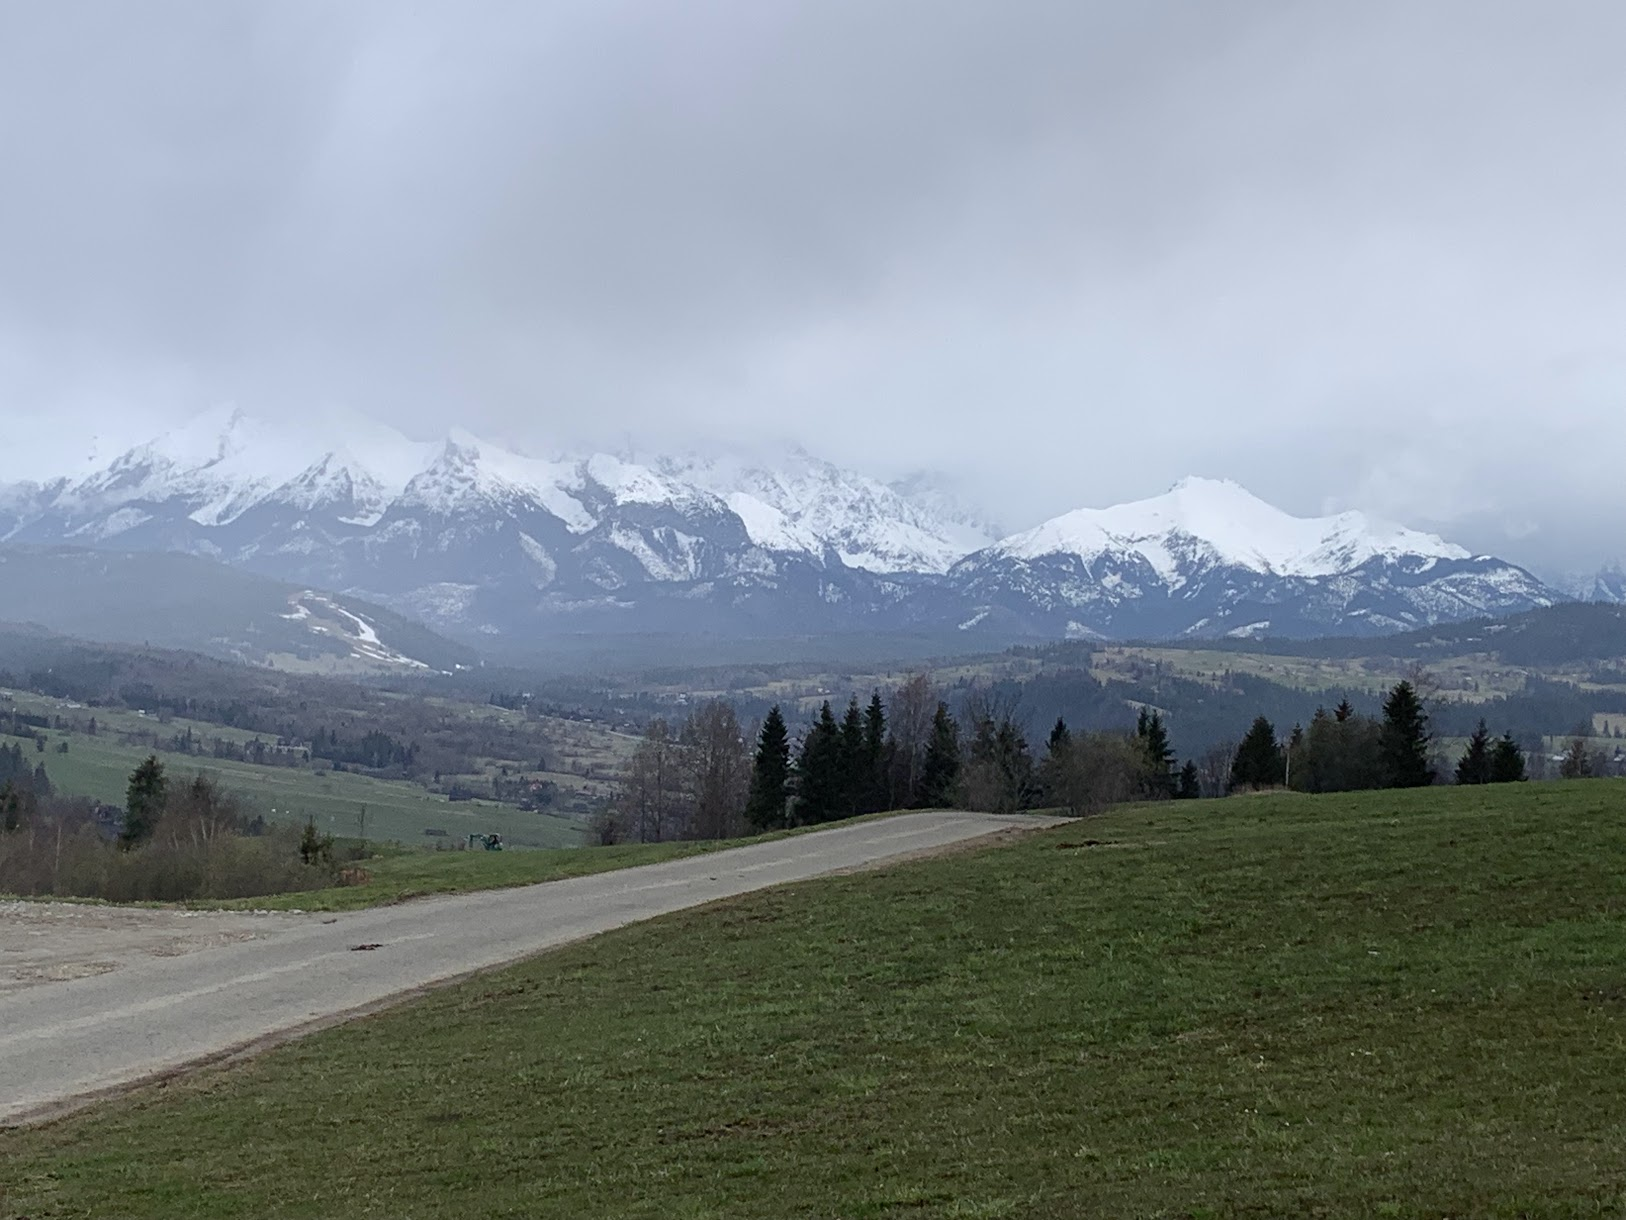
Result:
[[917, 754], [910, 749], [1344, 751]]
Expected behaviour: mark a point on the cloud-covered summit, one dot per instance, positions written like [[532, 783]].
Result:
[[1348, 255]]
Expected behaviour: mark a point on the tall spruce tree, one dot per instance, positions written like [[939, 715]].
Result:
[[1060, 737], [1405, 739], [144, 801], [940, 770], [819, 786], [1154, 739], [854, 772], [765, 807], [1190, 786], [1507, 761], [1054, 763], [1258, 762], [1474, 767], [877, 762]]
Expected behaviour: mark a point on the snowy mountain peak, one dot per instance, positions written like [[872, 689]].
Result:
[[1202, 523], [794, 501]]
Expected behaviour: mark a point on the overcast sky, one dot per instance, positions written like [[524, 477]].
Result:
[[1351, 254]]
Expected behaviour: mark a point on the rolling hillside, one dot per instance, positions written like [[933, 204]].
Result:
[[170, 600]]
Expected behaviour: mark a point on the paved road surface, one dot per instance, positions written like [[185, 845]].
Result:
[[63, 1041]]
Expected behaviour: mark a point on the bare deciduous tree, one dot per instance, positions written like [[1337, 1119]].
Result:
[[909, 719], [717, 771], [1214, 768], [650, 791]]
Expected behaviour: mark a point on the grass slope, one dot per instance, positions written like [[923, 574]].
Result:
[[1378, 1004]]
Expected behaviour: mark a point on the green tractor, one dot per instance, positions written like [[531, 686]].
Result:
[[485, 842]]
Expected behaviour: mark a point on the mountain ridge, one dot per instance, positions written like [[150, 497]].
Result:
[[482, 542]]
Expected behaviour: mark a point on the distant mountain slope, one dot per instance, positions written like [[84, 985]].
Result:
[[1565, 634], [181, 601], [493, 546]]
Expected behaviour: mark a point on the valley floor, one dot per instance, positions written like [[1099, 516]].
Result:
[[1380, 1004]]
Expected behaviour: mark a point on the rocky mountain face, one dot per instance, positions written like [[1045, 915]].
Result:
[[480, 543], [1608, 586]]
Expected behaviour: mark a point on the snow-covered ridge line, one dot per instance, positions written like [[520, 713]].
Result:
[[483, 542], [226, 464], [1201, 523]]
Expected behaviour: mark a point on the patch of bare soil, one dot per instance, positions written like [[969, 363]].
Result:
[[52, 942]]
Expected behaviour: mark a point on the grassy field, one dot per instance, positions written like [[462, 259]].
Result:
[[1379, 1004], [395, 810], [584, 763]]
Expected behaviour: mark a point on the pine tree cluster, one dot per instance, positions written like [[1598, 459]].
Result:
[[847, 767], [1344, 751], [1490, 762]]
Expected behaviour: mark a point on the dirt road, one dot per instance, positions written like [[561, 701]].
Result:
[[93, 999]]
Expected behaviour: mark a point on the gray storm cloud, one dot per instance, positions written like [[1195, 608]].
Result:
[[1347, 254]]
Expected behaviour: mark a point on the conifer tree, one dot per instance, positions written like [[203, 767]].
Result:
[[1474, 767], [877, 762], [1154, 739], [1258, 762], [144, 802], [853, 771], [1343, 711], [1189, 787], [1054, 763], [14, 807], [818, 771], [940, 771], [1507, 761], [1060, 737], [1405, 739], [770, 774]]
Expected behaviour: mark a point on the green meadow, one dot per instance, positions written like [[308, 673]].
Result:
[[1379, 1004]]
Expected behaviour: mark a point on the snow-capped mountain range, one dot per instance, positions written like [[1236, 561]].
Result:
[[482, 542]]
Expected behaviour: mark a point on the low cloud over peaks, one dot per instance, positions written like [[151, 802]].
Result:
[[1348, 255]]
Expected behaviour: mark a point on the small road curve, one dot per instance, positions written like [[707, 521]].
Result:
[[65, 1041]]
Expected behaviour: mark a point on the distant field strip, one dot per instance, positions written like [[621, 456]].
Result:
[[395, 810]]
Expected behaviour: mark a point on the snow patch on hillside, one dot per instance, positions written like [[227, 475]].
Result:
[[323, 616]]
